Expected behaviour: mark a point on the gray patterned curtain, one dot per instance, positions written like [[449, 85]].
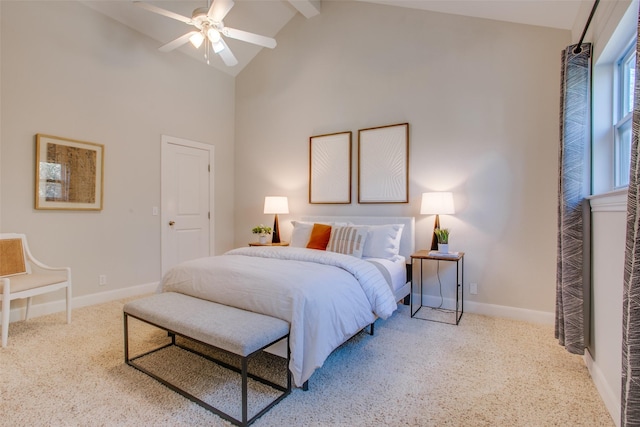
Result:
[[630, 401], [573, 187]]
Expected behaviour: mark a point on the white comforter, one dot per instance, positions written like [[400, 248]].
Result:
[[326, 297]]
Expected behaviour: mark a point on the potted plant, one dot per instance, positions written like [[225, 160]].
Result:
[[443, 239], [263, 231]]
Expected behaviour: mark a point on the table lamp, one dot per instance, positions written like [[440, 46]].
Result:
[[437, 203], [276, 205]]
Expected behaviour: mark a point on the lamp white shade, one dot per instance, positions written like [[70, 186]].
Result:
[[276, 205], [218, 46], [213, 35], [435, 203], [196, 40]]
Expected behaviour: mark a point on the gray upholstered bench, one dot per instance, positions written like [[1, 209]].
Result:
[[225, 328]]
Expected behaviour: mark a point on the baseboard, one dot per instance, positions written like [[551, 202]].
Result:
[[492, 310], [99, 298], [147, 288], [514, 313], [611, 400], [83, 301]]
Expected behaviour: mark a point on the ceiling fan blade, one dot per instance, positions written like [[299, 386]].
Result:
[[163, 12], [227, 56], [219, 9], [248, 37], [177, 42]]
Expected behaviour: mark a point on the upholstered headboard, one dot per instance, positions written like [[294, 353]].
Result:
[[408, 242]]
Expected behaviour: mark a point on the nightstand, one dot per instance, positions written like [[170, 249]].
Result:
[[269, 244], [439, 308]]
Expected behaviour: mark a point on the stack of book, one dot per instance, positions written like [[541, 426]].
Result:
[[444, 254]]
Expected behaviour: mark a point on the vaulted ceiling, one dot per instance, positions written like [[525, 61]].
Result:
[[268, 17]]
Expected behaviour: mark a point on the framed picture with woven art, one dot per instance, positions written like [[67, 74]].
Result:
[[330, 168], [383, 164], [69, 174]]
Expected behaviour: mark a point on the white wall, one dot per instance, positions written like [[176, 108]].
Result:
[[608, 240], [481, 98], [71, 72]]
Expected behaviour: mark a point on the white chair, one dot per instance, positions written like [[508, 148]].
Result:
[[23, 276]]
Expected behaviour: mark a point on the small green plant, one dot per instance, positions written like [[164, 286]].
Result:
[[261, 229], [443, 235]]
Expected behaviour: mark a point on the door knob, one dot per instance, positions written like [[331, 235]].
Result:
[[171, 223]]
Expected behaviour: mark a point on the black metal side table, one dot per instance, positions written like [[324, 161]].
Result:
[[437, 314]]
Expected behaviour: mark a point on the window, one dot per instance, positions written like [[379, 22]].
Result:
[[611, 120], [56, 187], [623, 120]]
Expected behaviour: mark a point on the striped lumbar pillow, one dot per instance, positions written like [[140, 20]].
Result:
[[347, 240]]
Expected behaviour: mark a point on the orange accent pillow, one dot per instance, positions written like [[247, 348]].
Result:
[[320, 235]]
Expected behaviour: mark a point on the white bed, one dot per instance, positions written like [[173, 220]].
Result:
[[402, 283], [327, 297]]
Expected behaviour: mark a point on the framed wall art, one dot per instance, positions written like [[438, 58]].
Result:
[[383, 164], [330, 168], [69, 174]]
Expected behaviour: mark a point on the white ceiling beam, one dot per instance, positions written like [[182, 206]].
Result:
[[309, 8]]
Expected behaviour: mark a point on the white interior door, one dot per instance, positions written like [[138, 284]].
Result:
[[187, 201]]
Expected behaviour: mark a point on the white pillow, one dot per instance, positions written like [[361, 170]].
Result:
[[383, 241], [348, 240], [302, 232]]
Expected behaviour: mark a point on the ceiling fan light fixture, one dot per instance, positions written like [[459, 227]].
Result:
[[196, 40], [218, 47], [213, 35]]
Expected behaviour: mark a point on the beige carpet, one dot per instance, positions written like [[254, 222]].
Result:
[[484, 372]]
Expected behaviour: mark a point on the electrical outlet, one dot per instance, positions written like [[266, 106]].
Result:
[[473, 288], [102, 279]]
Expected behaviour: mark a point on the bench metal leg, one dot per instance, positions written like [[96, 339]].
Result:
[[244, 391], [245, 421], [126, 338]]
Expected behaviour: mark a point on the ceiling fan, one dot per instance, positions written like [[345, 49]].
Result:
[[209, 28]]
